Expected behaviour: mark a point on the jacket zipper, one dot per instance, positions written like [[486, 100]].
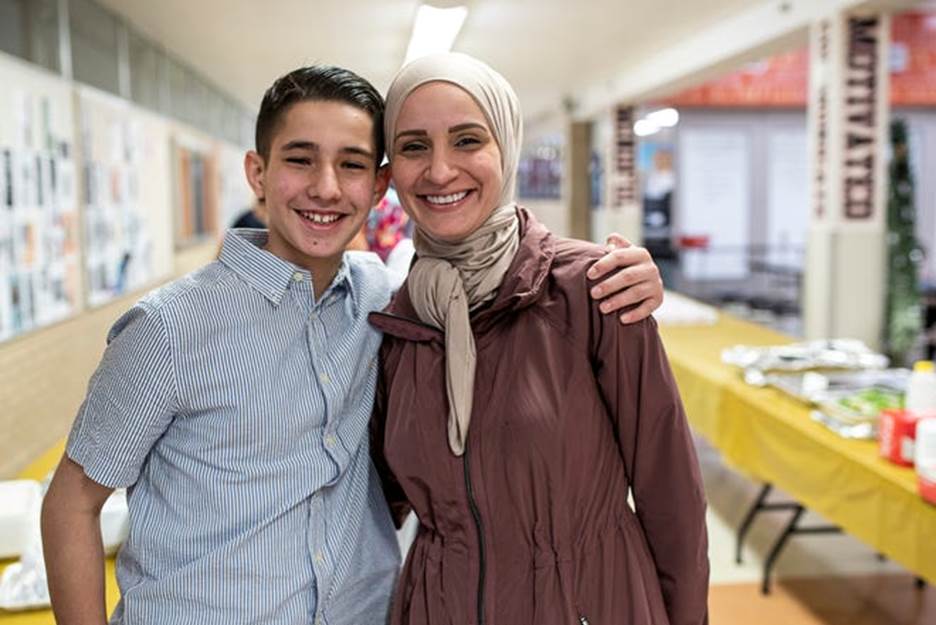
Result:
[[478, 526], [472, 504], [583, 620]]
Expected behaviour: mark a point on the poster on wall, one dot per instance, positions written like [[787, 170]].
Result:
[[539, 174], [787, 197], [127, 217], [197, 188], [713, 184], [39, 272]]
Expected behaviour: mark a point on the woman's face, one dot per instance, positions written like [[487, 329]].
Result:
[[446, 164]]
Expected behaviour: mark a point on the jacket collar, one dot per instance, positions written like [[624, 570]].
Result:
[[522, 286]]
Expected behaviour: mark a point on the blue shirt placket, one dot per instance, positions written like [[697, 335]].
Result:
[[319, 312]]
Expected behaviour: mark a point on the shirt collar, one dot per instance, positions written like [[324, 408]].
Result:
[[242, 252]]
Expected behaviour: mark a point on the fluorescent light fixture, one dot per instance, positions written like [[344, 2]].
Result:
[[435, 30], [664, 118], [645, 128]]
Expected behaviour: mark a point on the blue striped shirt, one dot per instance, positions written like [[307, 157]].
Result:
[[234, 407]]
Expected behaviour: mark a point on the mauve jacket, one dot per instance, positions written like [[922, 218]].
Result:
[[571, 410]]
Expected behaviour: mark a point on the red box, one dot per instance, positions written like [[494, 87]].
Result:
[[896, 436], [927, 488]]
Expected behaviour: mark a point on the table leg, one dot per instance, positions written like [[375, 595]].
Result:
[[749, 519]]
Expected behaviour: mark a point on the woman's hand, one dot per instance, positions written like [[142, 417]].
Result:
[[637, 284]]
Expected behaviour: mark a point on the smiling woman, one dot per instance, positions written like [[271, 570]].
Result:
[[447, 166], [512, 416]]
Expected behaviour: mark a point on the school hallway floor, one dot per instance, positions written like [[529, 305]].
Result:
[[824, 579]]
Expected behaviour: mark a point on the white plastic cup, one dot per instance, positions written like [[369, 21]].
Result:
[[925, 449], [921, 388]]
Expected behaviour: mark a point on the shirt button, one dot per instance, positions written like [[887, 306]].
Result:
[[324, 378], [330, 440], [319, 557], [313, 317], [297, 277]]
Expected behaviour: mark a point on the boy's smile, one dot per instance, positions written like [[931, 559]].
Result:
[[318, 183]]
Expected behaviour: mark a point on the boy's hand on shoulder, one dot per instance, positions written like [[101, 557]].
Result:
[[635, 287]]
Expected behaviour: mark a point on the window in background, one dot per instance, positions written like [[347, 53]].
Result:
[[232, 115], [539, 175], [177, 90], [197, 182], [94, 45], [247, 123], [29, 30], [214, 108], [197, 101], [208, 109], [147, 74]]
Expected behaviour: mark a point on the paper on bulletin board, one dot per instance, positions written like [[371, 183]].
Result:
[[787, 196], [127, 196], [39, 272], [714, 197]]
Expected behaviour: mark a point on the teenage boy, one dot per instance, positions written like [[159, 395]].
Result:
[[233, 403]]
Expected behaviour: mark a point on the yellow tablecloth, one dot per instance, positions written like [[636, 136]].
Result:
[[37, 471], [769, 436]]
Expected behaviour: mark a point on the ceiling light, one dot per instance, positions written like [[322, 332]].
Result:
[[434, 30], [645, 127], [664, 118]]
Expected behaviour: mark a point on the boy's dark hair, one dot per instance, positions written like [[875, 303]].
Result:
[[321, 83]]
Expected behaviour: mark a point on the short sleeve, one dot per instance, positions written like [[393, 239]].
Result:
[[130, 401]]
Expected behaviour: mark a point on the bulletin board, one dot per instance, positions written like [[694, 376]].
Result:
[[40, 279], [126, 187]]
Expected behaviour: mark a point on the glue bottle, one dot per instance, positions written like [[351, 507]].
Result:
[[926, 458], [921, 388]]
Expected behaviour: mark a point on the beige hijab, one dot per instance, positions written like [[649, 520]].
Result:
[[450, 279]]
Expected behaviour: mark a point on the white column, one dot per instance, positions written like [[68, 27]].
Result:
[[849, 112], [576, 183]]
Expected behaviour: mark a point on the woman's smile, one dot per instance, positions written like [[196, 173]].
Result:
[[449, 201]]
